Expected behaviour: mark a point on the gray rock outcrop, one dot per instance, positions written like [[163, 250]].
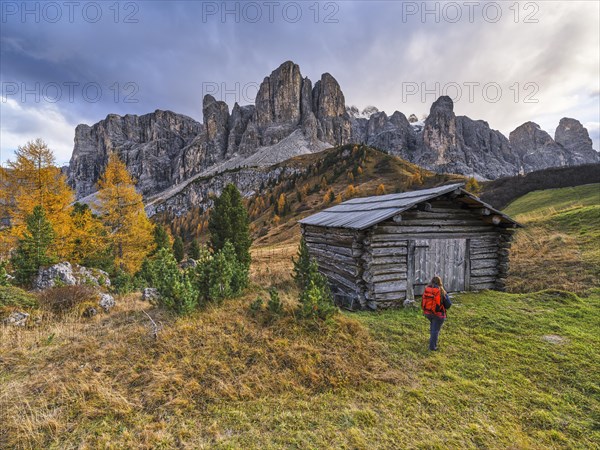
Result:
[[148, 145], [17, 319], [68, 275]]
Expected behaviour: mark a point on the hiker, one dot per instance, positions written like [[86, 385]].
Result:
[[434, 304]]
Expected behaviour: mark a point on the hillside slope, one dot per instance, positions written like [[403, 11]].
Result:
[[560, 246], [278, 196], [499, 193]]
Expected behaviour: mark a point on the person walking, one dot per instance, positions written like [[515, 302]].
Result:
[[434, 304]]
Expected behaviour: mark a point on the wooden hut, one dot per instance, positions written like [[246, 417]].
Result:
[[379, 251]]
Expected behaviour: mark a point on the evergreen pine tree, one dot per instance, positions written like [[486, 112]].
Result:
[[33, 250], [301, 265], [229, 222], [178, 251], [195, 249], [161, 238]]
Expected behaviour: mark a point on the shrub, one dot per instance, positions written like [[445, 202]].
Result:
[[257, 305], [220, 276], [239, 271], [60, 300], [301, 265], [123, 283], [274, 305], [176, 288], [34, 249], [316, 301], [4, 280], [14, 296], [229, 221], [195, 249]]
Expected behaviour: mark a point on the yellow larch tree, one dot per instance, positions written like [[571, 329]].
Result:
[[89, 235], [350, 192], [380, 190], [33, 179], [122, 212]]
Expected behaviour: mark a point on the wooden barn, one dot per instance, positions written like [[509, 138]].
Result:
[[379, 251]]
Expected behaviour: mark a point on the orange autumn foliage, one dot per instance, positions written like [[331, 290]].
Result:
[[33, 179]]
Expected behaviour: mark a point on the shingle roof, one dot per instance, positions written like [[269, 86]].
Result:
[[361, 213]]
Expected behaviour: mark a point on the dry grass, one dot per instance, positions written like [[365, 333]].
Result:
[[72, 381], [560, 246]]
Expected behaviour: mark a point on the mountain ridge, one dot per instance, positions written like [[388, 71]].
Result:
[[290, 117]]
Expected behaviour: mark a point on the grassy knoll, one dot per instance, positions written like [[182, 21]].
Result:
[[560, 246]]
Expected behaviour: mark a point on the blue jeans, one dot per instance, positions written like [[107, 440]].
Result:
[[435, 325]]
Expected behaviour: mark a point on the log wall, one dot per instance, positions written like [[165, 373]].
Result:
[[338, 252]]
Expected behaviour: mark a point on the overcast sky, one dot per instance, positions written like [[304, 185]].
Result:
[[67, 63]]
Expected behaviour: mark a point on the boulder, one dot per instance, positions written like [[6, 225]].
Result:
[[17, 319], [409, 303], [106, 302], [188, 264], [66, 274], [150, 294]]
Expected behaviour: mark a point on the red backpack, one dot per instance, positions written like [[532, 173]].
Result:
[[432, 302]]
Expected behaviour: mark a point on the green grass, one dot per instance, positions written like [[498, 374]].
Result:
[[549, 201], [513, 371]]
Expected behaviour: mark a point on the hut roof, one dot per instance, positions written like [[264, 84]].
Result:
[[361, 213]]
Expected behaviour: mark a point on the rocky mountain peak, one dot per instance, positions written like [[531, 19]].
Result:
[[574, 137], [535, 148]]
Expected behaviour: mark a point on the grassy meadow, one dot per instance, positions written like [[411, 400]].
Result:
[[560, 244], [514, 370]]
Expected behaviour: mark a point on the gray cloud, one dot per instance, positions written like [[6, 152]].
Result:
[[170, 52]]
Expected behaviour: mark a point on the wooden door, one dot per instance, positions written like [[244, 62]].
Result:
[[446, 258]]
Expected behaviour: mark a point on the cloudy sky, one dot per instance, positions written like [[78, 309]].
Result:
[[65, 63]]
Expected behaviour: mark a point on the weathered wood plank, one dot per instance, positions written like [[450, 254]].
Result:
[[483, 272], [371, 278], [394, 229], [389, 286], [491, 255], [385, 244], [380, 260], [484, 263], [467, 273], [387, 296], [443, 235], [355, 253], [386, 269], [387, 251], [471, 222]]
